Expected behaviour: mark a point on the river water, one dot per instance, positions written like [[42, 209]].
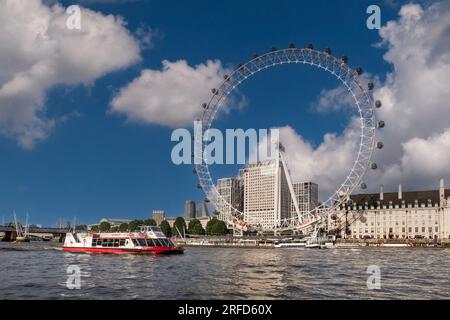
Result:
[[40, 271]]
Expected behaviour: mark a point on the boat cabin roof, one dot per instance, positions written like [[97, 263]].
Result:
[[148, 229]]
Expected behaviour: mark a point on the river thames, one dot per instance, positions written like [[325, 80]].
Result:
[[40, 271]]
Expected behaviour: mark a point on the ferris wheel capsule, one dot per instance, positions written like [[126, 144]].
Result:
[[363, 186], [214, 91], [344, 59], [370, 86], [273, 49], [359, 71], [291, 46], [380, 145], [310, 46], [204, 105], [327, 50], [381, 124], [374, 166], [378, 104]]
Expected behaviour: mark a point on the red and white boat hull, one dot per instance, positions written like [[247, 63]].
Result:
[[149, 240]]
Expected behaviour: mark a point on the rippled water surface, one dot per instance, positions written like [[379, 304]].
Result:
[[39, 271]]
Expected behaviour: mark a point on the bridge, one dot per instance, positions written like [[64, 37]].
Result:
[[55, 233]]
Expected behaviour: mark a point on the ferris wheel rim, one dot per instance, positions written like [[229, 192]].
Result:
[[340, 70]]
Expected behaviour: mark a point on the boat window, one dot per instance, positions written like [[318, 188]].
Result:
[[171, 244], [135, 242], [142, 242], [151, 243], [122, 242], [116, 243], [164, 241], [157, 242]]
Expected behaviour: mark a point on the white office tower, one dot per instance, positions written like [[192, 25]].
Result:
[[267, 198], [307, 194]]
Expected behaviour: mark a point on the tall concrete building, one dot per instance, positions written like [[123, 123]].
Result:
[[189, 210], [231, 190], [203, 211], [307, 194], [267, 200], [158, 216], [395, 215]]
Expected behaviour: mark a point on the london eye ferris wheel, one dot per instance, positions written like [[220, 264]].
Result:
[[363, 101]]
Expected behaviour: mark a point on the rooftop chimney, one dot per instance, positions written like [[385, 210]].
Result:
[[400, 194], [381, 193]]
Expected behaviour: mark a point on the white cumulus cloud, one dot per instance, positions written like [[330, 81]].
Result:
[[171, 96], [38, 51]]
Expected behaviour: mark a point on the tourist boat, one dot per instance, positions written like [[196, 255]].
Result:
[[145, 240], [290, 245]]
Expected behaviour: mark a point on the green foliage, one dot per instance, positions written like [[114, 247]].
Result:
[[133, 225], [180, 224], [94, 229], [165, 228], [123, 227], [104, 226], [149, 222], [81, 227], [114, 229], [219, 228], [216, 227], [195, 227]]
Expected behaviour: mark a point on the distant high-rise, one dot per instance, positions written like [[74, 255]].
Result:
[[231, 190], [203, 210], [307, 194], [189, 210], [158, 216]]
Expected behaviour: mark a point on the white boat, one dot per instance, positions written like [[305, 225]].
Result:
[[329, 245], [290, 245], [396, 245], [145, 240]]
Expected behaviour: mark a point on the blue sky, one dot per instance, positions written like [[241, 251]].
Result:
[[97, 164]]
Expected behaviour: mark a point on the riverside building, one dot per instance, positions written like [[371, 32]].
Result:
[[395, 215], [266, 194]]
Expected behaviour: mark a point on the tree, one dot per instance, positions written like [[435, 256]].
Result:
[[165, 228], [149, 222], [216, 227], [133, 225], [81, 227], [104, 226], [123, 227], [195, 227], [219, 228], [179, 224], [114, 229], [94, 228]]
